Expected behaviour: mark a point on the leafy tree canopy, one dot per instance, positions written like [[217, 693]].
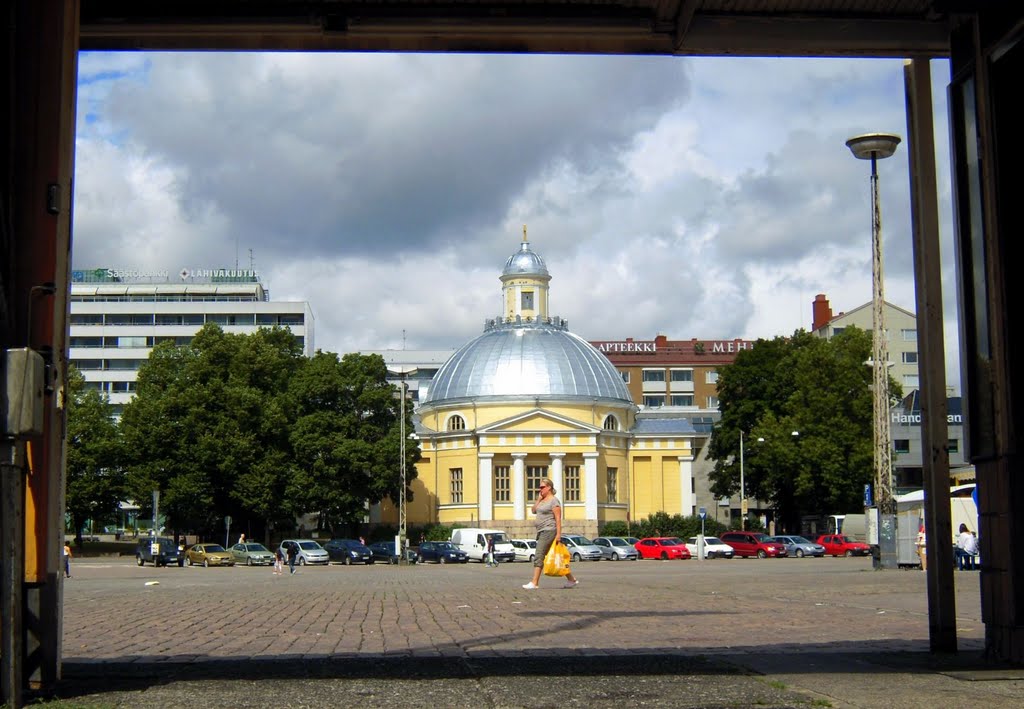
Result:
[[804, 406], [95, 480]]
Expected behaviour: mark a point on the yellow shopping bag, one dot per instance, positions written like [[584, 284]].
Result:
[[556, 561]]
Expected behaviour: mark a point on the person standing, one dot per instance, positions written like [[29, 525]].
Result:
[[278, 562], [241, 538], [548, 522], [965, 549], [490, 551], [922, 548], [293, 551], [67, 559]]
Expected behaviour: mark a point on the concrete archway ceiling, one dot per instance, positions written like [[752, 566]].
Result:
[[893, 28]]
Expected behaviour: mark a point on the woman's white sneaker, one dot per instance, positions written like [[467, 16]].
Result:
[[530, 586]]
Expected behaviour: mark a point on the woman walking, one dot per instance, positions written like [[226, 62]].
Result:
[[549, 529]]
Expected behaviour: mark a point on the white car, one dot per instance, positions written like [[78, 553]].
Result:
[[309, 552], [526, 549], [714, 548]]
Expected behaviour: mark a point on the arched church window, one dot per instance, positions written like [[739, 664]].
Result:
[[456, 423], [611, 423]]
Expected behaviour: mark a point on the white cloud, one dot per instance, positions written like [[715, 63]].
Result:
[[696, 198]]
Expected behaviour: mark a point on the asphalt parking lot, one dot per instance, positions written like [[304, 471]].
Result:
[[773, 632]]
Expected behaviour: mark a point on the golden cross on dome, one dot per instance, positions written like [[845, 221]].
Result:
[[524, 232]]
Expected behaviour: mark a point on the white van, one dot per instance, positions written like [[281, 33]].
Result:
[[473, 541]]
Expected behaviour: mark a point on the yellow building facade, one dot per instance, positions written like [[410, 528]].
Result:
[[528, 400]]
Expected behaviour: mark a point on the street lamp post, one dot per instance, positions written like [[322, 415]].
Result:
[[743, 490], [873, 147], [402, 371]]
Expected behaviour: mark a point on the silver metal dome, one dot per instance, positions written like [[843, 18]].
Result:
[[525, 261], [526, 361]]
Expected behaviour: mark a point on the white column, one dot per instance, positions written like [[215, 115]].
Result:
[[556, 472], [686, 484], [485, 485], [519, 486], [590, 485]]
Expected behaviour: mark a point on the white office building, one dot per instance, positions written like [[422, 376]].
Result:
[[117, 317]]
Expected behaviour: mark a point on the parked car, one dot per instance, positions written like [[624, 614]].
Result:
[[838, 545], [753, 544], [252, 554], [309, 552], [165, 555], [799, 546], [385, 551], [209, 555], [442, 553], [526, 549], [632, 540], [662, 548], [615, 548], [714, 548], [581, 548], [348, 551]]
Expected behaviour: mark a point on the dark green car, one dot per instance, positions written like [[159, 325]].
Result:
[[158, 551]]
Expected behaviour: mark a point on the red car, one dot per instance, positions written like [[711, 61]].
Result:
[[662, 548], [838, 545], [750, 544]]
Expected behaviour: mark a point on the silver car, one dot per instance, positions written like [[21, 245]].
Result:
[[581, 548], [308, 551], [798, 546], [615, 548], [252, 554]]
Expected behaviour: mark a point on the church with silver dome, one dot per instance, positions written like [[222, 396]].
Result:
[[528, 399]]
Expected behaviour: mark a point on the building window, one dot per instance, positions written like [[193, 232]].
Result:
[[712, 402], [682, 375], [625, 377], [654, 375], [682, 400], [86, 342], [610, 423], [654, 400], [953, 445], [456, 485], [613, 484], [911, 381], [909, 334], [534, 474], [910, 358], [901, 445], [837, 331], [134, 342], [572, 484], [502, 484], [527, 300], [456, 423], [86, 319], [122, 387], [711, 378], [84, 364]]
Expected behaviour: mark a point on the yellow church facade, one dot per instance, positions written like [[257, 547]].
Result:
[[529, 400]]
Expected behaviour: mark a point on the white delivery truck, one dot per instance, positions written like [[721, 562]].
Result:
[[473, 541]]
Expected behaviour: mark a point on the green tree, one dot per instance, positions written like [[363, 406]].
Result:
[[805, 408], [209, 427], [95, 481], [346, 438]]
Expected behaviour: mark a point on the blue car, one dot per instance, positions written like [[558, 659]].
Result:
[[442, 553], [799, 546], [348, 551]]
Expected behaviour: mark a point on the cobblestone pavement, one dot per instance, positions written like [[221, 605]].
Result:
[[718, 633]]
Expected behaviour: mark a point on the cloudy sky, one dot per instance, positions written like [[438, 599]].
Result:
[[695, 198]]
